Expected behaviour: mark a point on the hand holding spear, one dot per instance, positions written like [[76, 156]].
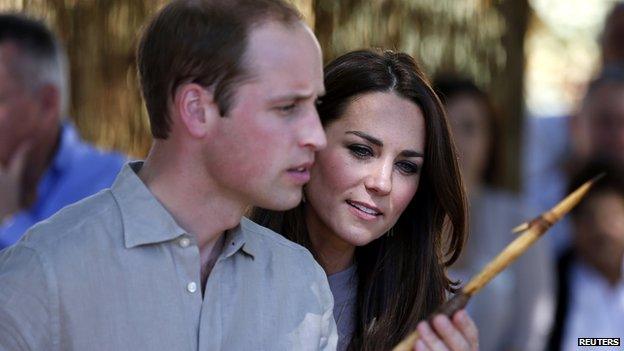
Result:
[[533, 230]]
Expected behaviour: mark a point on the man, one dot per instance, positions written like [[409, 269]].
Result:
[[590, 277], [598, 128], [611, 39], [44, 165], [163, 260]]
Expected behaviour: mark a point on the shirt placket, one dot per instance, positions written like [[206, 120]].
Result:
[[186, 253], [211, 324]]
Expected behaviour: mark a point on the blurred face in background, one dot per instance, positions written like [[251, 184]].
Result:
[[18, 106], [599, 128], [369, 172], [599, 233], [612, 45], [469, 124]]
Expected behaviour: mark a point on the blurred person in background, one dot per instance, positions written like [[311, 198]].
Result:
[[597, 130], [612, 37], [44, 165], [514, 311], [590, 299], [555, 145]]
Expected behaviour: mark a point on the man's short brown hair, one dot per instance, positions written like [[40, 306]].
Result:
[[200, 41]]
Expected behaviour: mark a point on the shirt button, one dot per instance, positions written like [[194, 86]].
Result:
[[191, 287], [185, 242]]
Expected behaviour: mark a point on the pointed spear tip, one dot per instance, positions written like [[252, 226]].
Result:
[[597, 178], [567, 202], [574, 198]]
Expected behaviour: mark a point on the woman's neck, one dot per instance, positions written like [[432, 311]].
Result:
[[332, 252]]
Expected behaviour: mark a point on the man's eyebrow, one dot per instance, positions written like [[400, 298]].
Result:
[[375, 141], [295, 97]]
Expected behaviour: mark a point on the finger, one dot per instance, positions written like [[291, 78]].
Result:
[[18, 161], [429, 337], [451, 336], [467, 327], [420, 346]]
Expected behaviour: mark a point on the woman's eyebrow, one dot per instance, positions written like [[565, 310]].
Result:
[[368, 137], [412, 153]]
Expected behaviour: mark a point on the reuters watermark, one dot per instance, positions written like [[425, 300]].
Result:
[[599, 342]]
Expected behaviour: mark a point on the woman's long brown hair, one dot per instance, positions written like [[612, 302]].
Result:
[[402, 277]]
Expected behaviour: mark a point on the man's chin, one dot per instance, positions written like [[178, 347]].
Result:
[[282, 202]]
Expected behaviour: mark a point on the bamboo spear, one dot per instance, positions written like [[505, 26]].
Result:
[[533, 230]]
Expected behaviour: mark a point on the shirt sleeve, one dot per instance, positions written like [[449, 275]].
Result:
[[329, 331], [26, 301]]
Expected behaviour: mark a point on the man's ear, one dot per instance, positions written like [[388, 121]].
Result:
[[49, 98], [195, 108]]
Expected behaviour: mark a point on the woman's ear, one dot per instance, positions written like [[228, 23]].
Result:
[[195, 109]]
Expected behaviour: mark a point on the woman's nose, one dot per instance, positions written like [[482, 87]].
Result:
[[379, 180]]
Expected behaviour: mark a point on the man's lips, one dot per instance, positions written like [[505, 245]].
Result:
[[365, 208], [301, 167], [301, 172]]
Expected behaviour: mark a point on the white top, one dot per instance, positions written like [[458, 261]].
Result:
[[596, 308]]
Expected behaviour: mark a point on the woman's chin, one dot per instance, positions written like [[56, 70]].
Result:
[[359, 238]]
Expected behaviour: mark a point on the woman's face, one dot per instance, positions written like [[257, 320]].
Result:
[[468, 121], [369, 172]]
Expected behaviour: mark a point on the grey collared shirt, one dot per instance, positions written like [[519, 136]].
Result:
[[115, 272]]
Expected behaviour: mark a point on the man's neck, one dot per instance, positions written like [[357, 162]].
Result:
[[194, 201]]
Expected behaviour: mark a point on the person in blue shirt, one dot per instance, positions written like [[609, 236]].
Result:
[[44, 165]]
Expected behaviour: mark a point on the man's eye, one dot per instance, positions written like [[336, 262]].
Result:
[[286, 108]]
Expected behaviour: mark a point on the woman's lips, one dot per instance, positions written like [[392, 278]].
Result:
[[364, 211]]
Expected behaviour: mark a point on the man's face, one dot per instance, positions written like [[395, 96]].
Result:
[[262, 150], [599, 233], [18, 107], [612, 48], [602, 123]]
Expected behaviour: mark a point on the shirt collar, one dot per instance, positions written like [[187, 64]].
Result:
[[144, 219], [240, 238], [68, 141]]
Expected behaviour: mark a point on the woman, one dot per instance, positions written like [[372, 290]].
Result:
[[384, 210], [493, 212]]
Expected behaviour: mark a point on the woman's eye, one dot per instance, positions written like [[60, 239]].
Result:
[[360, 151], [408, 167]]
